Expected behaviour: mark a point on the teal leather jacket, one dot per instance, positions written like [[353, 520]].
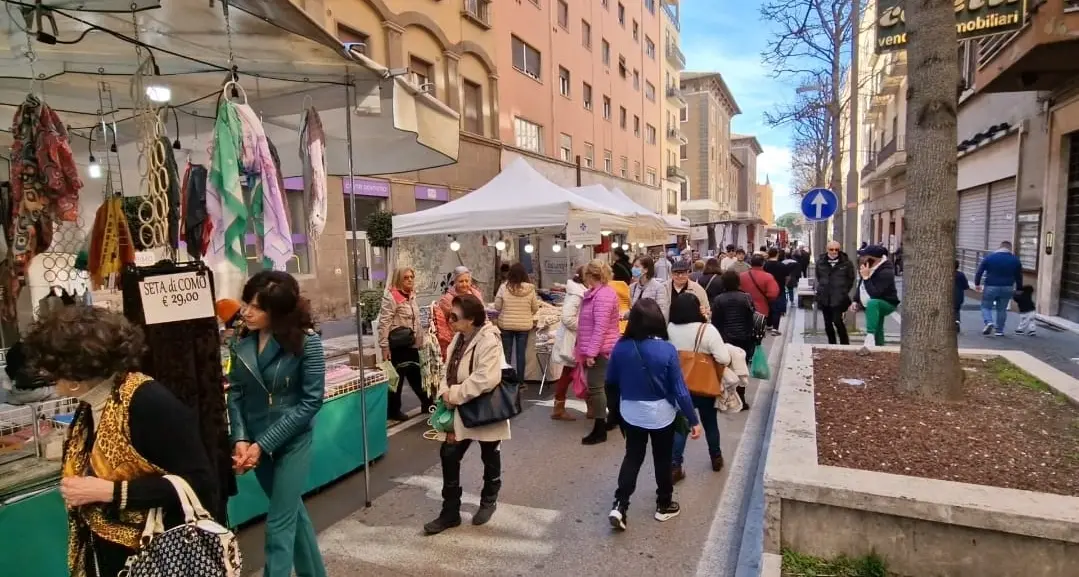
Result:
[[274, 395]]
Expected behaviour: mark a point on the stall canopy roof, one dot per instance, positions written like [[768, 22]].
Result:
[[283, 57], [623, 203], [518, 198]]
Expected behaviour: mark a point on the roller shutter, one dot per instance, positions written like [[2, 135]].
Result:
[[971, 227], [1001, 213]]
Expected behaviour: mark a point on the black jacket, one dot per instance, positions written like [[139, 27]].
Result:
[[778, 270], [834, 282], [622, 270], [712, 285], [880, 286], [732, 314]]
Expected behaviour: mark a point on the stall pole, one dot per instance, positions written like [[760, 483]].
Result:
[[356, 281]]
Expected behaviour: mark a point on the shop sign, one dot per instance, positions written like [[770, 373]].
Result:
[[366, 187], [176, 297], [580, 230], [973, 19], [437, 193], [698, 233]]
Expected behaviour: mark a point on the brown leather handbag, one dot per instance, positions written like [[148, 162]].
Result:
[[703, 375]]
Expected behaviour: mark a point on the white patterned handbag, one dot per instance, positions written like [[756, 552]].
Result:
[[200, 547]]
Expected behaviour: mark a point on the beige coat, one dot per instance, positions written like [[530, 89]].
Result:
[[484, 355], [516, 307], [398, 311]]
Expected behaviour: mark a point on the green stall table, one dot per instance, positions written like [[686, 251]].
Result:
[[33, 530]]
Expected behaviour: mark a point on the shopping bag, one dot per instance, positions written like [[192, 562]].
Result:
[[759, 368], [391, 374], [580, 381], [442, 418]]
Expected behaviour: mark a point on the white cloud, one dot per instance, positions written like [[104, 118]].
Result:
[[775, 165]]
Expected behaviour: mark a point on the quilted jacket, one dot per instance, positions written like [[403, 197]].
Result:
[[597, 323], [516, 307]]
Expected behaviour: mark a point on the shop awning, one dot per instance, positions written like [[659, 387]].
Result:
[[284, 60]]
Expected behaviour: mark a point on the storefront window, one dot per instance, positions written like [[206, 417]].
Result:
[[365, 205]]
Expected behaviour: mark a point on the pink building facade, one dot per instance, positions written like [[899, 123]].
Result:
[[584, 77]]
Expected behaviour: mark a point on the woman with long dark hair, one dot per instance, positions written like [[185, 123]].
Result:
[[645, 372], [732, 314], [276, 383]]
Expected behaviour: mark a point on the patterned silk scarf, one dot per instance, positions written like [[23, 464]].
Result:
[[224, 195]]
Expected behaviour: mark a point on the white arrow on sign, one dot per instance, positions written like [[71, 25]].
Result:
[[819, 202]]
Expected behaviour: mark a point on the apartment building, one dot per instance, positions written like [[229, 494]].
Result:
[[587, 83], [745, 150], [766, 201], [673, 64], [884, 125], [1038, 66], [707, 195], [449, 50]]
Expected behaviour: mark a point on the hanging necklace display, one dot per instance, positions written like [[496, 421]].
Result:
[[153, 178]]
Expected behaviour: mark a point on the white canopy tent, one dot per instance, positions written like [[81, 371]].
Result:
[[517, 198], [647, 226], [674, 225]]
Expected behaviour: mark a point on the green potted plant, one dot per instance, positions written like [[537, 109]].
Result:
[[370, 301], [380, 229]]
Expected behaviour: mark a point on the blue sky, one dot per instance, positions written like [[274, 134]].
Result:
[[729, 40]]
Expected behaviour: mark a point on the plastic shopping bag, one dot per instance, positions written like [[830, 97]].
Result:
[[759, 369], [442, 418], [391, 374]]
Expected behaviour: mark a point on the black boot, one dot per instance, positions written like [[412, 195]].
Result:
[[450, 516], [488, 502], [742, 395], [598, 434]]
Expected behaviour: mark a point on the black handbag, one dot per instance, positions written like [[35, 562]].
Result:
[[401, 338], [501, 403]]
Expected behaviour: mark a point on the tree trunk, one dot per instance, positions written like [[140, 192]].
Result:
[[929, 357], [835, 109]]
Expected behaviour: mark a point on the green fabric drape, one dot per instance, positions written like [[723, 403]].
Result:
[[225, 177]]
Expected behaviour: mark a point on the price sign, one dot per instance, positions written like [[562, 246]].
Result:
[[176, 297]]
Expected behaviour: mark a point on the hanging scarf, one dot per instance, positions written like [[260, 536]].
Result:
[[224, 195], [111, 244], [267, 198], [105, 449], [312, 155], [197, 227]]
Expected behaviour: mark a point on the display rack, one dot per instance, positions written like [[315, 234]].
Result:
[[31, 445]]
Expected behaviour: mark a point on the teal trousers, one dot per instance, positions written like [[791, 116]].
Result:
[[290, 537]]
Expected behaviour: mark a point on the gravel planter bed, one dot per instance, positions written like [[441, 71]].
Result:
[[1010, 430]]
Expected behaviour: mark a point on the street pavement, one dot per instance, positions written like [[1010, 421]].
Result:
[[552, 515]]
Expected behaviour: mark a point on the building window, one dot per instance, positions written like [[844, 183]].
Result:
[[622, 15], [636, 80], [586, 34], [636, 126], [684, 191], [622, 117], [650, 133], [622, 70], [623, 170], [420, 73], [529, 135], [586, 95], [637, 170], [525, 58], [608, 165], [651, 177], [649, 47], [606, 107], [606, 4], [650, 5], [650, 91], [563, 81], [589, 155], [605, 52], [565, 147], [636, 31], [683, 152], [683, 114], [471, 107], [356, 40]]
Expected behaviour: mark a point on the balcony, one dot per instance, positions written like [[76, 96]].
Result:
[[675, 93], [478, 11], [675, 135], [675, 172], [675, 56], [870, 165], [892, 157], [895, 71], [1043, 55]]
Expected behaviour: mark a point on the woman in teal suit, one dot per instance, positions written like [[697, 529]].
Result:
[[276, 384]]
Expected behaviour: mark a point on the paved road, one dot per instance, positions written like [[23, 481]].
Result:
[[552, 511]]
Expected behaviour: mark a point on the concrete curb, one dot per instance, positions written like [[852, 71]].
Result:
[[723, 552], [1062, 324]]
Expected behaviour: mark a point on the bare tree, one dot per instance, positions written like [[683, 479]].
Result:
[[929, 357], [808, 47]]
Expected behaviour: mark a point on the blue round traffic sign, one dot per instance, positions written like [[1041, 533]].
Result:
[[819, 204]]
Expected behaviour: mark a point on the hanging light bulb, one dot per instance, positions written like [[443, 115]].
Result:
[[158, 93], [500, 245], [640, 245], [625, 247], [94, 169], [529, 248], [556, 248], [454, 245], [578, 246], [605, 232]]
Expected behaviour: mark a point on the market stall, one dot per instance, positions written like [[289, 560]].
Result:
[[134, 97]]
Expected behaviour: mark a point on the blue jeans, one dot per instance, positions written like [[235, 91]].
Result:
[[706, 408], [520, 338], [995, 300]]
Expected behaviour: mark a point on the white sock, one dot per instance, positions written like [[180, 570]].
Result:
[[869, 340], [895, 317]]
